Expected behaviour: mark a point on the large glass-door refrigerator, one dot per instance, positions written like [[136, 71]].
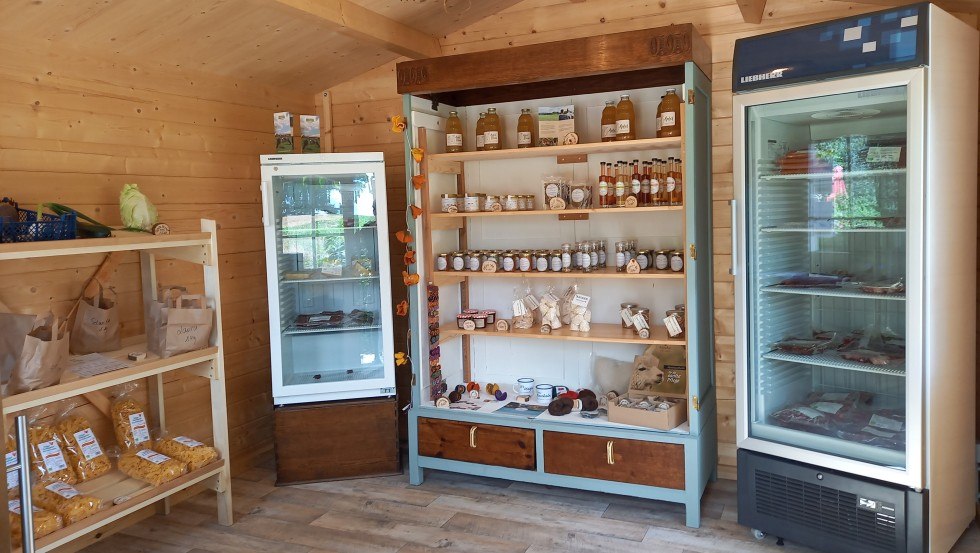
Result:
[[327, 264], [854, 255]]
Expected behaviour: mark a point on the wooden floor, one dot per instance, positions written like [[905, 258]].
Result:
[[448, 512]]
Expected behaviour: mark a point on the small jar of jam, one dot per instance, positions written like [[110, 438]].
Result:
[[677, 261], [442, 262], [491, 316], [449, 203]]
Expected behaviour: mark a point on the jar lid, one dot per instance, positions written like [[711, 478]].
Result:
[[450, 195], [488, 311], [479, 315], [473, 195], [643, 251], [627, 305], [676, 252], [464, 316], [444, 255], [509, 196], [642, 310], [665, 252], [470, 311], [525, 254]]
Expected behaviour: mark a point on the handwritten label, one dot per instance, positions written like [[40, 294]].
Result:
[[640, 322], [627, 316], [673, 326], [581, 300], [519, 308]]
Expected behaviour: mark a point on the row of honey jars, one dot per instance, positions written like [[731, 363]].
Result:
[[654, 183]]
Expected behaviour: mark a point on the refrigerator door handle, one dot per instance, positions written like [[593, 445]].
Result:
[[266, 205], [734, 268]]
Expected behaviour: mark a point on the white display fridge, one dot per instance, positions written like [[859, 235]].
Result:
[[327, 263], [854, 256]]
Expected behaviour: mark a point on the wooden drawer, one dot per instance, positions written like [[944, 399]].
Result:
[[634, 461], [486, 444]]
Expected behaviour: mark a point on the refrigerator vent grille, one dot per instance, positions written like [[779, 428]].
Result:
[[824, 509]]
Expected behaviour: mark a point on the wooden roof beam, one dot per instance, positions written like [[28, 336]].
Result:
[[368, 26], [752, 10], [961, 6]]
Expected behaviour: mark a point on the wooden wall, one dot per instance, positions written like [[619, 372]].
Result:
[[720, 23], [75, 127]]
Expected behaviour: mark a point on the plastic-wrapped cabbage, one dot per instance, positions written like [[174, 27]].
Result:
[[136, 210]]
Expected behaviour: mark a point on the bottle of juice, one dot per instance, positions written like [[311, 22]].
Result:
[[670, 119], [481, 127], [625, 119], [636, 181], [454, 133], [621, 179], [609, 122], [525, 129], [677, 198], [491, 131], [671, 181], [644, 197], [655, 182], [603, 186], [660, 105]]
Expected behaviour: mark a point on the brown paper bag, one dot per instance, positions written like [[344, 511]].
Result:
[[13, 332], [179, 324], [45, 351], [96, 327]]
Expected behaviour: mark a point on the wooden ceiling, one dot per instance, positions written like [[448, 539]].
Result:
[[307, 45]]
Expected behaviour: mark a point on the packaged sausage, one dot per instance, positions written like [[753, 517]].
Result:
[[86, 455], [151, 467], [188, 450], [45, 522], [63, 499], [130, 419]]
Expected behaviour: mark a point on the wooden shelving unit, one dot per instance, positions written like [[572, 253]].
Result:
[[450, 277], [599, 332], [132, 495]]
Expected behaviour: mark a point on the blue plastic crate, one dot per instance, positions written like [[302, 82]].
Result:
[[28, 228]]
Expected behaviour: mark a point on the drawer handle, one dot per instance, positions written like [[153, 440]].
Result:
[[472, 436], [609, 453]]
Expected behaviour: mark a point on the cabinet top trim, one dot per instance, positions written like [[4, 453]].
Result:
[[630, 51]]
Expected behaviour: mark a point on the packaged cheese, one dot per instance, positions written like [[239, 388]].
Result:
[[130, 420], [188, 450], [86, 455], [65, 500], [151, 467], [48, 459], [45, 522]]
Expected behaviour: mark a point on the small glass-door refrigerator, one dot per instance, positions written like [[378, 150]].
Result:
[[854, 255], [327, 263]]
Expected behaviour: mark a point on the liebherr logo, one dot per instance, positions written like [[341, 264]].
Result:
[[774, 74]]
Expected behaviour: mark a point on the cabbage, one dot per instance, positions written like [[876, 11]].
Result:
[[136, 210]]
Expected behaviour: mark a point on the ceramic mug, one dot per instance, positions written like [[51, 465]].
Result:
[[543, 393], [524, 386]]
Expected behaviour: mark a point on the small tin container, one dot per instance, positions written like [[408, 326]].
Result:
[[472, 202], [490, 200], [511, 203], [448, 201]]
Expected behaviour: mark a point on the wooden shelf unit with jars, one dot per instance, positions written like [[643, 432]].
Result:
[[669, 465]]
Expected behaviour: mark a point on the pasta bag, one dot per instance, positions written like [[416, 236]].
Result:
[[45, 522], [63, 499], [86, 456], [187, 450], [151, 467], [10, 459], [48, 459], [130, 419]]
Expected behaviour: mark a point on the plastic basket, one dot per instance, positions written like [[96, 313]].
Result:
[[28, 228]]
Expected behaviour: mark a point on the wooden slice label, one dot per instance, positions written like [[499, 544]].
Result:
[[495, 206], [556, 204], [633, 267], [631, 201], [503, 325], [452, 209], [489, 266]]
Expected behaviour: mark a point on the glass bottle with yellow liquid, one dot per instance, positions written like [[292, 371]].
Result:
[[625, 119], [481, 127], [491, 132], [608, 128], [670, 117], [454, 133], [677, 194], [525, 129]]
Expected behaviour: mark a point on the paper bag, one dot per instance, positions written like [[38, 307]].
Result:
[[96, 327], [179, 324], [13, 332], [40, 363]]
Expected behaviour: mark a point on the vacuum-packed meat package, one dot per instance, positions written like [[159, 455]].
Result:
[[805, 418], [877, 427]]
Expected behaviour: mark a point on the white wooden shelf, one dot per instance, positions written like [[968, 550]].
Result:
[[443, 163], [121, 240], [599, 332]]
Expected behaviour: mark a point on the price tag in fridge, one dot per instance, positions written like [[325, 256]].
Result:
[[519, 308], [673, 327], [884, 154], [581, 300]]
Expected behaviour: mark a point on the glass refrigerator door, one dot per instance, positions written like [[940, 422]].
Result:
[[826, 213], [330, 300]]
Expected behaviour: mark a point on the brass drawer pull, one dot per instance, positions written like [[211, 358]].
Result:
[[609, 453], [472, 436]]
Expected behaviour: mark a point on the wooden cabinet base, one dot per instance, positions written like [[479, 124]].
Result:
[[487, 444], [620, 460], [336, 440]]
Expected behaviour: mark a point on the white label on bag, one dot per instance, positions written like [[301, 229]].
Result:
[[876, 432], [454, 139], [189, 442], [808, 413], [673, 326], [581, 300], [137, 423], [627, 316], [519, 308], [668, 119], [622, 126], [66, 491], [491, 137], [550, 297], [602, 257], [594, 258], [11, 458], [640, 322], [13, 506], [609, 131], [152, 456], [827, 407], [551, 190], [886, 423], [523, 137], [586, 260], [50, 452], [531, 301], [88, 443], [13, 479]]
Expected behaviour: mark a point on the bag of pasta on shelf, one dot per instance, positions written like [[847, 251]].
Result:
[[187, 450], [48, 458], [130, 418], [86, 455], [45, 522], [178, 323], [61, 498], [10, 460], [151, 467]]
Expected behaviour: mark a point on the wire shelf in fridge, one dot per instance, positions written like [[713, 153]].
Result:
[[293, 329], [802, 227], [834, 361], [846, 175], [832, 292]]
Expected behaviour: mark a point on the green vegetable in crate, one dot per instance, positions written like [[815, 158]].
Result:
[[138, 213], [85, 226]]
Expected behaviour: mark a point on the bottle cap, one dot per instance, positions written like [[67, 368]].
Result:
[[452, 113]]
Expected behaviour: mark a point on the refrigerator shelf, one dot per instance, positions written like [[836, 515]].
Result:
[[321, 232], [293, 329], [816, 230], [834, 361], [832, 292], [330, 279], [846, 174], [815, 442]]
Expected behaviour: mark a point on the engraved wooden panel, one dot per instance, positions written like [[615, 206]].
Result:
[[634, 461], [502, 446]]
